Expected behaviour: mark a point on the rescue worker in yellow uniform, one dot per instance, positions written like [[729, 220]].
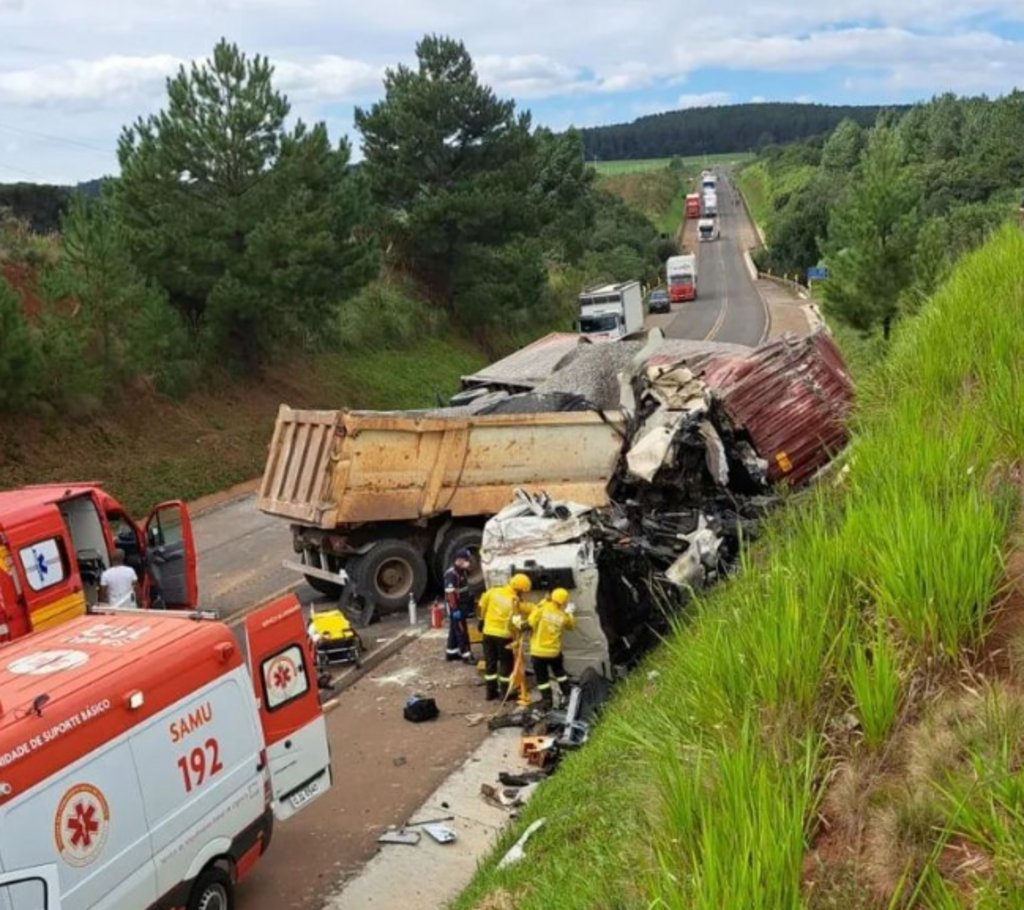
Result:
[[548, 620], [499, 607]]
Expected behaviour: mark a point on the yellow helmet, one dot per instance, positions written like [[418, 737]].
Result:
[[521, 583], [560, 596]]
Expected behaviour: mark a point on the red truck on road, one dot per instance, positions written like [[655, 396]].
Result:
[[693, 206], [56, 540]]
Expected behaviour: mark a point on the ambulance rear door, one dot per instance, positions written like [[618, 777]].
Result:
[[294, 727], [171, 554], [30, 889]]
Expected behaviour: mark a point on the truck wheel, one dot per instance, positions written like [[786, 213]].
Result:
[[462, 538], [318, 584], [389, 572], [213, 890]]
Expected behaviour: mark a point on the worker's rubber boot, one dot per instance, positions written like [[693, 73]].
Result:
[[492, 690], [547, 701]]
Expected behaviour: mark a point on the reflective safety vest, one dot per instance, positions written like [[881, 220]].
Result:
[[497, 607], [548, 621]]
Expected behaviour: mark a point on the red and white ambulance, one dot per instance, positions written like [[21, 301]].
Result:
[[143, 759]]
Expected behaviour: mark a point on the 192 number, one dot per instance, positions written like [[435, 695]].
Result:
[[201, 763]]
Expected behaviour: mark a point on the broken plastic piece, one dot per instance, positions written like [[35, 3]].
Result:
[[441, 833], [518, 851]]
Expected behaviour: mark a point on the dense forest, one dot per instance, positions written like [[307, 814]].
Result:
[[706, 130], [889, 209], [219, 249]]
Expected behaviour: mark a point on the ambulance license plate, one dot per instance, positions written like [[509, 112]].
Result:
[[298, 800]]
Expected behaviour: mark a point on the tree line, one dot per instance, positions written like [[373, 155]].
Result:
[[234, 232], [707, 130], [890, 208]]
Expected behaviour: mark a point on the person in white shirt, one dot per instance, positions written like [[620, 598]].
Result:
[[118, 583]]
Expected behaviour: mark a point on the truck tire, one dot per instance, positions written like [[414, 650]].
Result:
[[461, 538], [213, 890], [388, 573], [318, 584]]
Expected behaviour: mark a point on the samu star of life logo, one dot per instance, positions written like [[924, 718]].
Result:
[[82, 825], [284, 679]]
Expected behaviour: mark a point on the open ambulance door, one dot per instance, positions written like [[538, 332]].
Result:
[[30, 889], [171, 553], [294, 727]]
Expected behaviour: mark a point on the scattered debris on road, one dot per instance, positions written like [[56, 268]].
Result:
[[518, 850]]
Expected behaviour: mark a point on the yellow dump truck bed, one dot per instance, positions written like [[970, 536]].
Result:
[[331, 468]]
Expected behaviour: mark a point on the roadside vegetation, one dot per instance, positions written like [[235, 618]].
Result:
[[728, 128], [841, 724], [240, 247], [890, 207]]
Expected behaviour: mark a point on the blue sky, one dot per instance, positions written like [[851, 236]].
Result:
[[72, 72]]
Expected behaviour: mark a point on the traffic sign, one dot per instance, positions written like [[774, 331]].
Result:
[[818, 273]]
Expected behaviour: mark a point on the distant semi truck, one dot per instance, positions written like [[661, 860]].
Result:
[[608, 312], [709, 181], [710, 204], [707, 229], [681, 275], [693, 206]]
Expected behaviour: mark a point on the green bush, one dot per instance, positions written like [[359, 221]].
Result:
[[20, 365], [386, 316]]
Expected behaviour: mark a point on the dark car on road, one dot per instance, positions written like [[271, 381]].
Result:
[[657, 302]]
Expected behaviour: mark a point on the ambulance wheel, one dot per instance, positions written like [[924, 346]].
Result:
[[213, 891], [389, 572], [462, 539]]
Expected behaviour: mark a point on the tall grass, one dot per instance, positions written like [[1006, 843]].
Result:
[[875, 683], [700, 788]]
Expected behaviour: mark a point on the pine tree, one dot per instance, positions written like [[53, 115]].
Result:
[[20, 367], [452, 167], [872, 235], [254, 230]]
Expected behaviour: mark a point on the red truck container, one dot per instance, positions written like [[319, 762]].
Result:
[[693, 205]]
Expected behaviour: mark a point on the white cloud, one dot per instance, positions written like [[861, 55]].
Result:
[[529, 75], [704, 99], [329, 78], [106, 82], [758, 99]]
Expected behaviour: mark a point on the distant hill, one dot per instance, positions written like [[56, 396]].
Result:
[[732, 128], [43, 204]]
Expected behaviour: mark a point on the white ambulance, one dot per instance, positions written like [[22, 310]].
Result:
[[142, 761]]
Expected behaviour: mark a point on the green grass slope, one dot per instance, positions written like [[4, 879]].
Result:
[[147, 448], [704, 786]]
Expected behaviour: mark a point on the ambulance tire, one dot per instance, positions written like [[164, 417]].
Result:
[[213, 890], [388, 573]]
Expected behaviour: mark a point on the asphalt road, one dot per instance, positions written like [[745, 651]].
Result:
[[239, 552], [728, 307]]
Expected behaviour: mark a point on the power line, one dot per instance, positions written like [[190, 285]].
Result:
[[85, 145], [21, 170]]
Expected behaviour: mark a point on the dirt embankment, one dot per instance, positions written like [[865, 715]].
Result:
[[147, 449]]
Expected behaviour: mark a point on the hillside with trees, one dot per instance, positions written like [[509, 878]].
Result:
[[890, 209], [729, 128], [240, 259]]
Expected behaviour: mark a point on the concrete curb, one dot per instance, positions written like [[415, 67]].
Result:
[[213, 501], [374, 660]]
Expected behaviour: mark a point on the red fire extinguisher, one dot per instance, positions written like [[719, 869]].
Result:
[[436, 615]]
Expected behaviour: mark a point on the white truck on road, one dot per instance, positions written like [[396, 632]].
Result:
[[681, 277], [709, 181], [707, 229], [710, 204], [608, 312]]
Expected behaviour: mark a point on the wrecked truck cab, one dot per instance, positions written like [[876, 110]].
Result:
[[560, 546]]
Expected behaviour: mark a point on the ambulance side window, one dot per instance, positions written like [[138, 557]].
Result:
[[44, 563], [284, 677]]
